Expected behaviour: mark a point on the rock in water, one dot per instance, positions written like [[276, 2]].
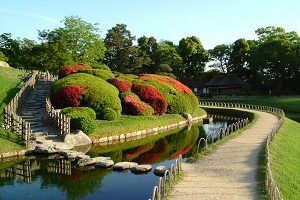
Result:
[[141, 169], [105, 164], [160, 170], [124, 165]]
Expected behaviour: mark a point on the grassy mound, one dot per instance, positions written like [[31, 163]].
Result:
[[101, 96]]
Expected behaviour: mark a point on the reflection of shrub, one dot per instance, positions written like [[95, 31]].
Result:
[[70, 69], [122, 85], [152, 96], [134, 106], [82, 118], [136, 152], [68, 96], [160, 147], [99, 93], [101, 73]]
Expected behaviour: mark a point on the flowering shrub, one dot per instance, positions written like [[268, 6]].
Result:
[[122, 85], [70, 69], [167, 80], [133, 105], [68, 96], [152, 96]]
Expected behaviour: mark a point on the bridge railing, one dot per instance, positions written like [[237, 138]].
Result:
[[60, 121], [271, 186], [165, 182], [12, 120]]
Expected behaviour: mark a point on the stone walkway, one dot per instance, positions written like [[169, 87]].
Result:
[[230, 172]]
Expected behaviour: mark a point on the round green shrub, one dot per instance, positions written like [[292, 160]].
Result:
[[101, 73], [99, 93], [101, 66], [109, 114], [82, 118]]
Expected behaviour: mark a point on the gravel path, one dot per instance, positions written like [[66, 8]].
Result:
[[230, 172]]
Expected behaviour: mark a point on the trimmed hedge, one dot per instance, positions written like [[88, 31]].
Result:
[[101, 66], [132, 105], [70, 69], [101, 73], [122, 85], [68, 96], [152, 96], [82, 118], [99, 93]]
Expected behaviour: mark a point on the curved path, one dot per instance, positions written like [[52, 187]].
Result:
[[229, 172]]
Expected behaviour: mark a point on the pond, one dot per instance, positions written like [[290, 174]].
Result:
[[55, 178]]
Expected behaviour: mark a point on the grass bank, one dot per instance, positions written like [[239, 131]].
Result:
[[9, 86], [285, 159], [127, 124], [291, 106]]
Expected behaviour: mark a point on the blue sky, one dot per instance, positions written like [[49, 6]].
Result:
[[213, 21]]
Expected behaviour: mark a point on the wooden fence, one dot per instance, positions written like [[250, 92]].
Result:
[[165, 182], [58, 120], [12, 120], [271, 186]]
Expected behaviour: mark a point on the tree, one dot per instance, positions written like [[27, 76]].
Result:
[[2, 57], [120, 50], [167, 59], [219, 57], [147, 48], [77, 42], [276, 33], [194, 56], [238, 58]]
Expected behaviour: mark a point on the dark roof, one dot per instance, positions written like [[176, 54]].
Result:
[[193, 83], [226, 80]]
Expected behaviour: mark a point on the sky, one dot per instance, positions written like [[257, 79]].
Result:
[[213, 21]]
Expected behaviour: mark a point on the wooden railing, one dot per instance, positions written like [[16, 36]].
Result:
[[46, 76], [12, 120], [271, 186], [58, 120], [165, 182]]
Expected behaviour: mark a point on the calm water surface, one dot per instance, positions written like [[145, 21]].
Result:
[[52, 178]]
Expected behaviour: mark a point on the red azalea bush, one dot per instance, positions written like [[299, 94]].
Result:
[[122, 85], [70, 69], [68, 96], [152, 96], [133, 105], [168, 80]]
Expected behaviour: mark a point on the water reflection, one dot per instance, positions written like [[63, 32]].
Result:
[[54, 178]]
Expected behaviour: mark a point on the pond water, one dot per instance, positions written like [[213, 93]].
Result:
[[54, 178]]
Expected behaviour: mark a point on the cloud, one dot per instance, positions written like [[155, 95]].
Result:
[[45, 18]]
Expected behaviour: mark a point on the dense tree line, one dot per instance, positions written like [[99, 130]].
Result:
[[272, 62]]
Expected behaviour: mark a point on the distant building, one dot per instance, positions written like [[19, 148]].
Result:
[[196, 86], [225, 84]]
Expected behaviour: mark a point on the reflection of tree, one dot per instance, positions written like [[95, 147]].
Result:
[[136, 152], [77, 185]]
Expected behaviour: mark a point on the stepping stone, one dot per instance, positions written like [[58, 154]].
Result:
[[124, 165], [105, 164], [91, 161], [141, 169], [160, 170]]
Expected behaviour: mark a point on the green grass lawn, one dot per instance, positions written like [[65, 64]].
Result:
[[291, 106], [127, 124], [285, 159], [9, 86]]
